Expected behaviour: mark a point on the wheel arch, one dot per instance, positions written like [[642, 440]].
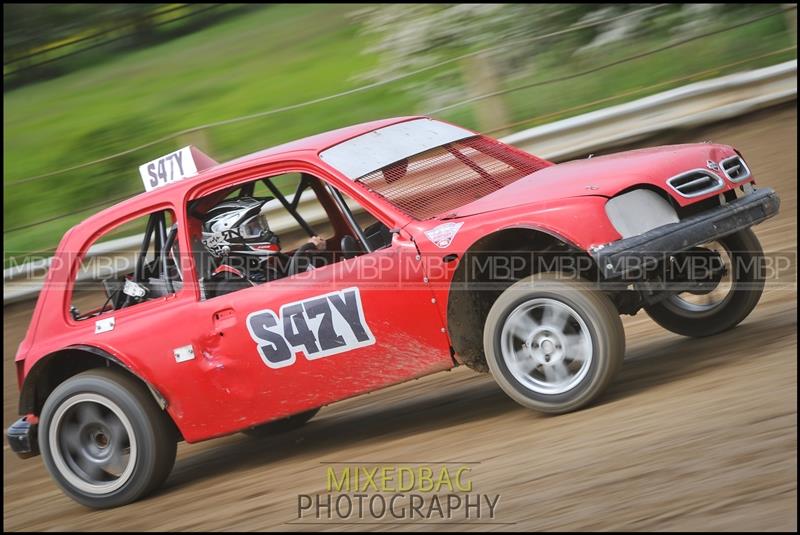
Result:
[[56, 367], [469, 300]]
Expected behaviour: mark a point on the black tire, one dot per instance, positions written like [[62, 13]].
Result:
[[747, 285], [590, 316], [154, 436], [281, 426]]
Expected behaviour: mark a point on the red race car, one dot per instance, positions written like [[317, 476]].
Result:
[[262, 289]]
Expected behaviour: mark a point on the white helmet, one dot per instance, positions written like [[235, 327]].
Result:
[[239, 226]]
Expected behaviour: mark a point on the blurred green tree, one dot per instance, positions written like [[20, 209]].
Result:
[[29, 27], [411, 36], [45, 40]]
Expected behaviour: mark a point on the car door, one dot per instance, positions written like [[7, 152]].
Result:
[[303, 341]]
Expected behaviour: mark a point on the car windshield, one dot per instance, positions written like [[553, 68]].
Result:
[[446, 177], [427, 168]]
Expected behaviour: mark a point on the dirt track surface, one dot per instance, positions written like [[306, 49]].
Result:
[[692, 435]]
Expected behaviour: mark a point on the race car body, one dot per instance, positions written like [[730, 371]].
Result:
[[433, 246]]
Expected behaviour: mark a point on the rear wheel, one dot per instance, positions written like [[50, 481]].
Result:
[[281, 426], [553, 345], [712, 310], [104, 440]]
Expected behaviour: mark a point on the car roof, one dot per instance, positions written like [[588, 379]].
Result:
[[312, 144]]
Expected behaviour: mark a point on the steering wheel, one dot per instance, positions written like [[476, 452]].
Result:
[[295, 263], [350, 247]]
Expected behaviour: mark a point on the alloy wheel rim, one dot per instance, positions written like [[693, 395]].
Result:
[[709, 302], [547, 346]]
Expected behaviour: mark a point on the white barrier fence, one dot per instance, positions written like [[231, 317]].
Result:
[[685, 107], [688, 106]]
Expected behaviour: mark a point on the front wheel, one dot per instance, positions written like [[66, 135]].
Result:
[[553, 345], [104, 440], [712, 310]]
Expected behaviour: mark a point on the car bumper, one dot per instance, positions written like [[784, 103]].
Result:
[[22, 438], [630, 257]]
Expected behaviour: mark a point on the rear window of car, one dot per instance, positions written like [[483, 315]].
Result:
[[449, 176]]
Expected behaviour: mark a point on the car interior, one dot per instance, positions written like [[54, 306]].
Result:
[[302, 206], [311, 208], [156, 271]]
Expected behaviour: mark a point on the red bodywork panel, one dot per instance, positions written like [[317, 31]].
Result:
[[605, 176], [231, 384]]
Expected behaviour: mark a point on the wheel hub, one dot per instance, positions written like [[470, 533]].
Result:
[[101, 440], [545, 347], [97, 442]]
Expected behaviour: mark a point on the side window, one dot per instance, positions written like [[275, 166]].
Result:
[[260, 231], [374, 231], [130, 264], [281, 219]]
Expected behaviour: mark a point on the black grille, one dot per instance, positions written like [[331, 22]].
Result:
[[735, 168], [694, 183]]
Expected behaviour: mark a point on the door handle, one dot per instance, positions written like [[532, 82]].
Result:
[[224, 319]]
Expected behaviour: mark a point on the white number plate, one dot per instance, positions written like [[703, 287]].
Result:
[[170, 168]]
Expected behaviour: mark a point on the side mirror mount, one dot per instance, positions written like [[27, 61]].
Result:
[[398, 234]]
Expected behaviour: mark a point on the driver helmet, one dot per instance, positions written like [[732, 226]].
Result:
[[239, 226]]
